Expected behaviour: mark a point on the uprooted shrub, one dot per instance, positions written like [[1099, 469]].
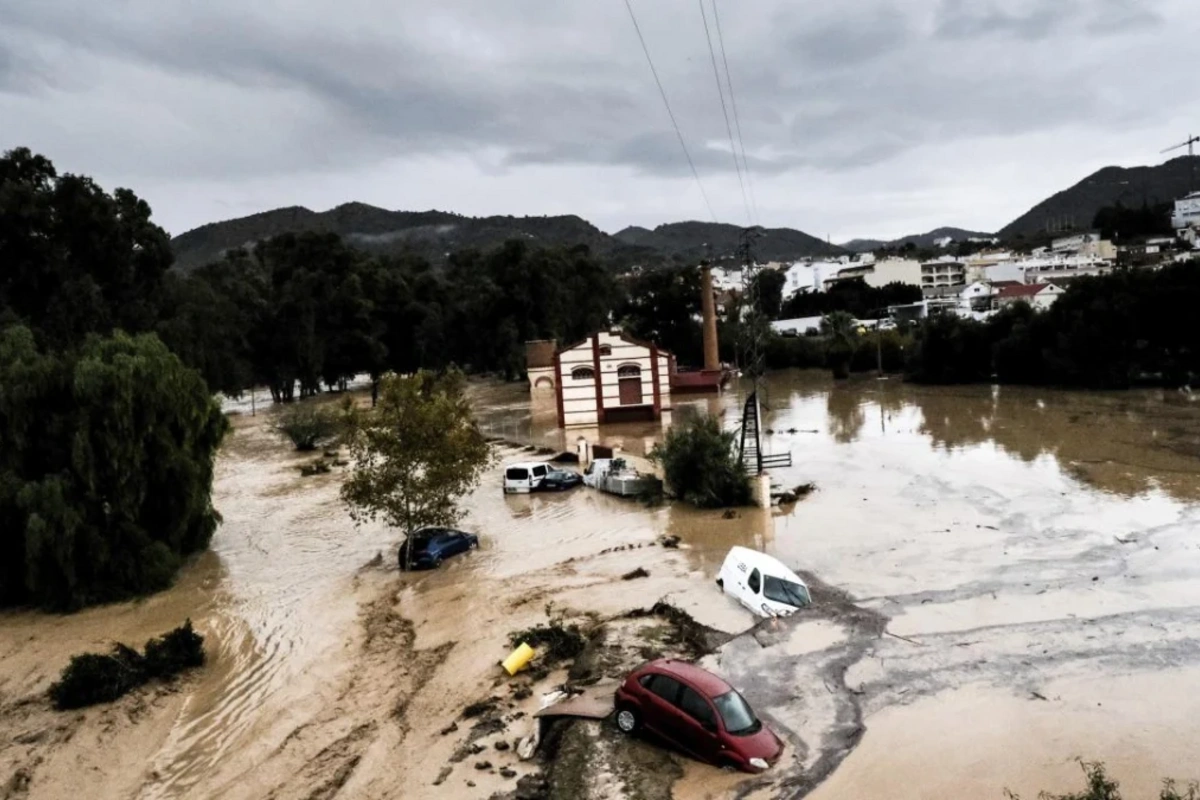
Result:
[[554, 642], [307, 426], [92, 678]]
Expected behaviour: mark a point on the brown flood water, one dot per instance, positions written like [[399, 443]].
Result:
[[1021, 542]]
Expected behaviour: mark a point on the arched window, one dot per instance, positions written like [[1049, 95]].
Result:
[[629, 371], [583, 374], [606, 349], [543, 383]]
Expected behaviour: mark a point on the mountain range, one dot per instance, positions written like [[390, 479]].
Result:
[[1076, 207], [917, 239], [436, 233]]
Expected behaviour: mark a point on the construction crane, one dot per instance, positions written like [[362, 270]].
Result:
[[1192, 140]]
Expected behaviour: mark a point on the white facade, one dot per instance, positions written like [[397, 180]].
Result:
[[1050, 268], [939, 276], [1187, 212], [895, 270], [609, 377]]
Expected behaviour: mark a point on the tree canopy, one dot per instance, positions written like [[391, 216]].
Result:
[[416, 454], [75, 260], [106, 464]]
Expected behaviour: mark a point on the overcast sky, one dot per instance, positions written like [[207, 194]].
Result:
[[860, 118]]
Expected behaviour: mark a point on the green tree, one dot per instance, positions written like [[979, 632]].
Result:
[[701, 465], [76, 260], [767, 291], [106, 465], [841, 337], [663, 306], [416, 454]]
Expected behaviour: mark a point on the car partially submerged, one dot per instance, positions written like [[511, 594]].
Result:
[[430, 546], [698, 712], [762, 583], [557, 480]]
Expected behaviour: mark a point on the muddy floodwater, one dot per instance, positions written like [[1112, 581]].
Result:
[[1007, 579]]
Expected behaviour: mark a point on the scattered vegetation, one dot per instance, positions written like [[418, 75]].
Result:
[[92, 678], [307, 426], [1101, 787], [701, 465]]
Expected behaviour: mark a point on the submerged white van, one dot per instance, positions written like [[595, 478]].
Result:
[[762, 583], [524, 477]]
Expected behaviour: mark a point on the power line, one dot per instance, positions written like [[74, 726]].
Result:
[[725, 111], [733, 103], [662, 92]]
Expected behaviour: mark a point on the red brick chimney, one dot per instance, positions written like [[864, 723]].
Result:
[[712, 358]]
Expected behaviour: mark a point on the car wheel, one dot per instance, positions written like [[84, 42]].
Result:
[[721, 583], [437, 562], [474, 545], [627, 720]]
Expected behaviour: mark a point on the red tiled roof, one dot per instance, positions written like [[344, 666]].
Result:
[[1002, 284], [1022, 289]]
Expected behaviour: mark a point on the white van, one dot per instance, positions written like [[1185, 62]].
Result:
[[524, 477], [762, 583]]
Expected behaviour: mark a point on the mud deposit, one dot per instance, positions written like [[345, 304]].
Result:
[[1004, 580]]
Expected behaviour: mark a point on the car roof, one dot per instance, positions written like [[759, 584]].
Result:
[[526, 464], [700, 679], [765, 563]]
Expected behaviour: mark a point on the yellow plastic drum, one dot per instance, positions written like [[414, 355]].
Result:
[[518, 659]]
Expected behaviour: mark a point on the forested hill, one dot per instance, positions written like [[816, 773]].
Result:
[[1077, 206], [689, 240], [433, 234]]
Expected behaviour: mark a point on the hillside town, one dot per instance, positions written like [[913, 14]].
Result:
[[992, 277]]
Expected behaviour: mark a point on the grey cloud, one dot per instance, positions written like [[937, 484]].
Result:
[[524, 82], [850, 39], [1042, 19]]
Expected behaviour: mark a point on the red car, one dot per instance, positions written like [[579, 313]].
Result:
[[698, 712]]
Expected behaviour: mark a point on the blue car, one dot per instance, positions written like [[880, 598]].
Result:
[[432, 545], [558, 480]]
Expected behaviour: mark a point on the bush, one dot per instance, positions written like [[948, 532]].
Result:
[[174, 652], [307, 426], [92, 678], [701, 466], [799, 352]]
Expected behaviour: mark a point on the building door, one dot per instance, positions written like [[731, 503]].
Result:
[[629, 383]]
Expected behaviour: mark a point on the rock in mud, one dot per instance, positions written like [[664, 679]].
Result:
[[502, 745], [449, 729], [506, 772], [669, 542], [482, 765], [640, 572]]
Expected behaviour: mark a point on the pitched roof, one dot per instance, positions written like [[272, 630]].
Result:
[[1002, 284], [1023, 289]]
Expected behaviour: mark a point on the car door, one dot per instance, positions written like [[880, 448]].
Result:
[[699, 734], [662, 716], [751, 597]]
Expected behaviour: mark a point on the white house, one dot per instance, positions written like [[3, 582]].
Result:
[[976, 296], [1038, 295], [608, 377]]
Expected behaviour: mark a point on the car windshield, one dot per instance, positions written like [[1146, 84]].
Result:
[[737, 715], [786, 592]]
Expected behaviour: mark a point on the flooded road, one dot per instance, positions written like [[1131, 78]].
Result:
[[1014, 580]]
